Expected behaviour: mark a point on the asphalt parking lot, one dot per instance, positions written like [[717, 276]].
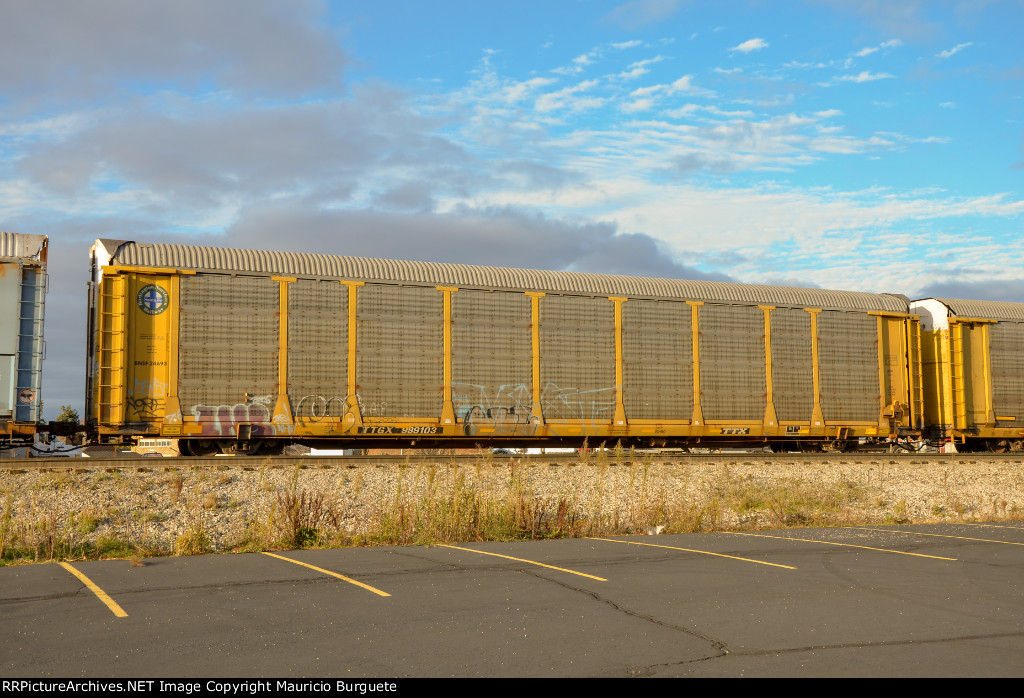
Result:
[[923, 600]]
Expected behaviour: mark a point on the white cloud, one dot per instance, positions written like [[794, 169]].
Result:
[[865, 76], [54, 127], [691, 109], [750, 45], [803, 66], [568, 99], [865, 52], [520, 90], [638, 105], [685, 110], [956, 49], [637, 69], [578, 64], [683, 84], [902, 138]]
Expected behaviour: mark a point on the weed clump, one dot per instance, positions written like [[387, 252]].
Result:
[[303, 516]]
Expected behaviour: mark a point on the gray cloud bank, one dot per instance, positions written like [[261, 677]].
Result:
[[55, 52]]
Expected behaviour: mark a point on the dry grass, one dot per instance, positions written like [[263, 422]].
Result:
[[602, 493]]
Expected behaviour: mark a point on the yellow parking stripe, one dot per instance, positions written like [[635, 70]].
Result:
[[519, 559], [689, 550], [989, 525], [937, 535], [844, 545], [100, 594], [342, 577]]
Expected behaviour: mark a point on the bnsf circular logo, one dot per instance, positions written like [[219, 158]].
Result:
[[152, 299]]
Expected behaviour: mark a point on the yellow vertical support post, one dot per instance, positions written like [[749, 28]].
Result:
[[620, 409], [172, 413], [884, 413], [990, 410], [956, 365], [918, 372], [447, 408], [770, 419], [536, 413], [353, 415], [906, 347], [698, 413], [817, 418], [880, 343], [282, 410]]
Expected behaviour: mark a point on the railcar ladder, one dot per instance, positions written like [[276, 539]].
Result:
[[957, 379], [917, 377], [112, 324]]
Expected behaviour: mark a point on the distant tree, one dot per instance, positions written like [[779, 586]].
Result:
[[68, 415]]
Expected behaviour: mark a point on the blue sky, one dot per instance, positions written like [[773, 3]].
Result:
[[844, 144]]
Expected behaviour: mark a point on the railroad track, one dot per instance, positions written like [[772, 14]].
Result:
[[15, 465]]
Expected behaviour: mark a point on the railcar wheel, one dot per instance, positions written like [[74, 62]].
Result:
[[199, 448], [998, 445], [809, 446], [1005, 445]]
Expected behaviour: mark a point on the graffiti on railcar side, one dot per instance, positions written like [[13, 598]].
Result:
[[488, 412], [222, 420], [146, 400], [313, 408], [573, 403], [373, 409], [316, 407]]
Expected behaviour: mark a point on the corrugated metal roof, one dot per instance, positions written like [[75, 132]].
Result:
[[23, 246], [217, 259], [995, 310]]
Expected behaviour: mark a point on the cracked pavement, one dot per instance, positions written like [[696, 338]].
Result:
[[808, 602]]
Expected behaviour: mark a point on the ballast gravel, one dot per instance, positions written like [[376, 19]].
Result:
[[163, 509]]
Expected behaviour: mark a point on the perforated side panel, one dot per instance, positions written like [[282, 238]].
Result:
[[848, 366], [792, 364], [657, 358], [577, 357], [732, 366], [399, 350], [1006, 348], [317, 348], [228, 341], [492, 354]]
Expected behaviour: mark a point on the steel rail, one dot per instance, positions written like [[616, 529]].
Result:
[[142, 464]]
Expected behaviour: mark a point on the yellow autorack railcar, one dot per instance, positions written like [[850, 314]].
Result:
[[973, 354], [246, 351]]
